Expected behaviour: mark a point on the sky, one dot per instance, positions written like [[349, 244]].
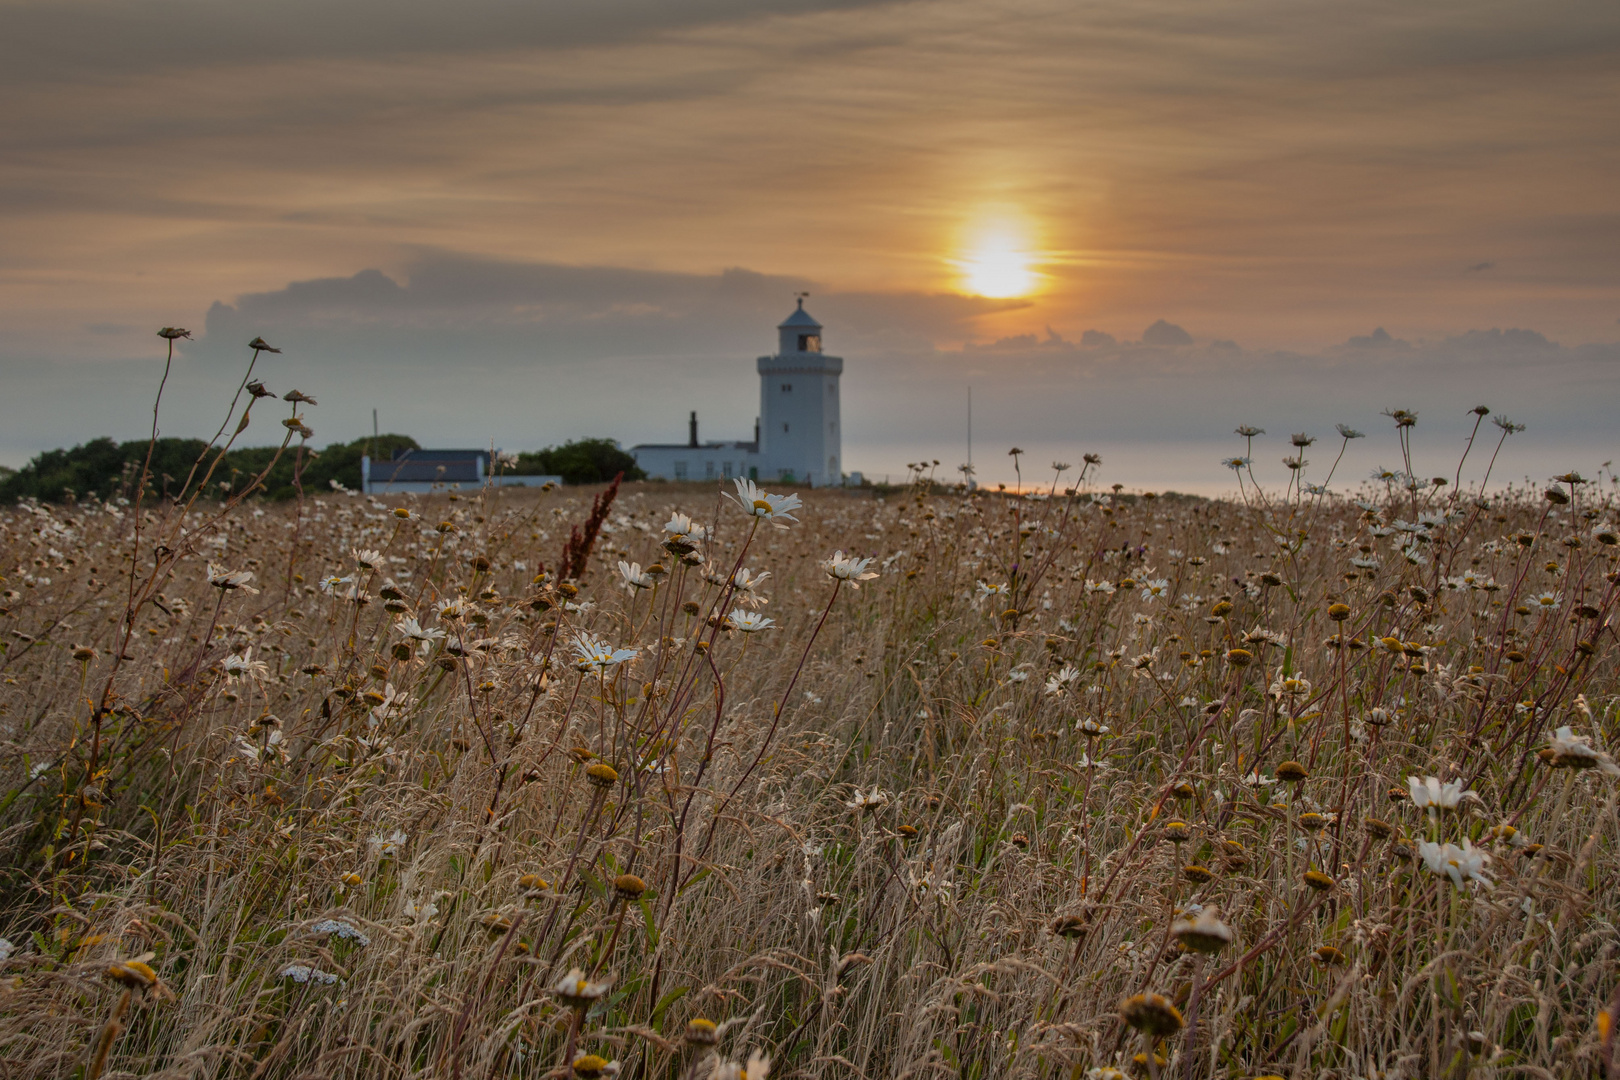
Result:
[[1127, 226]]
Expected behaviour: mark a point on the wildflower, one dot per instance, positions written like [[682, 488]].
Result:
[[221, 578], [1327, 955], [758, 1068], [1289, 685], [340, 929], [1292, 771], [1155, 589], [1106, 588], [634, 577], [303, 973], [1057, 683], [1091, 729], [1318, 880], [1205, 933], [1546, 601], [756, 503], [421, 910], [135, 974], [1461, 864], [1237, 464], [1430, 793], [602, 775], [850, 569], [986, 591], [173, 333], [593, 1066], [1572, 751], [388, 846], [684, 529], [331, 583], [745, 587], [410, 628], [748, 622], [701, 1032], [387, 703], [259, 345], [578, 992], [1151, 1014], [863, 801], [243, 666], [592, 653], [1248, 432]]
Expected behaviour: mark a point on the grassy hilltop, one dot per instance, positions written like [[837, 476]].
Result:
[[1053, 786]]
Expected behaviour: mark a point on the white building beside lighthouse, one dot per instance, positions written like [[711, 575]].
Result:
[[797, 436]]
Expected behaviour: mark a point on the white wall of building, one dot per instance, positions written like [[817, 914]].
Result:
[[720, 461], [801, 433]]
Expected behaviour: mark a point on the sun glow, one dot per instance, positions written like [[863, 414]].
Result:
[[999, 265]]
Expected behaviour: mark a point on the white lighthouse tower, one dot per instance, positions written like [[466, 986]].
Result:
[[799, 437]]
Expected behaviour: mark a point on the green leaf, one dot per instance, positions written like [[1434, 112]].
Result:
[[657, 1017], [649, 923]]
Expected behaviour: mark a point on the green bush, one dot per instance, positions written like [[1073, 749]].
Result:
[[102, 468], [583, 461]]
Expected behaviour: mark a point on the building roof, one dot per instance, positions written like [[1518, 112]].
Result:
[[800, 317], [431, 466], [404, 453]]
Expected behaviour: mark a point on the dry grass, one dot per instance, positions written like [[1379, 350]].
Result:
[[936, 836]]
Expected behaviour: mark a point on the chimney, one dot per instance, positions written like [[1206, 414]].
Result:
[[693, 437]]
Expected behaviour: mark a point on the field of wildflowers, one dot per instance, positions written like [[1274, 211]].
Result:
[[670, 781]]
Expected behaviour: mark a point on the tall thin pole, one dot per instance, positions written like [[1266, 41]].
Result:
[[970, 431]]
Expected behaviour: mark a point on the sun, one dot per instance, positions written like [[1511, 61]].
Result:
[[999, 265]]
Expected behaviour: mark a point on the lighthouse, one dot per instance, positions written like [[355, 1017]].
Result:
[[796, 434], [799, 436]]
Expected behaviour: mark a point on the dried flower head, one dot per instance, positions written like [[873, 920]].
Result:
[[1204, 932], [1151, 1014]]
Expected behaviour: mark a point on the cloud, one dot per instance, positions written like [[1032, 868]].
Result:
[[1092, 339], [560, 314], [1502, 341], [1165, 333], [52, 41], [1378, 339], [1479, 268]]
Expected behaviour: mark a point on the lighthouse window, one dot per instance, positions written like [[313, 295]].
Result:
[[784, 429], [787, 388], [809, 342]]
